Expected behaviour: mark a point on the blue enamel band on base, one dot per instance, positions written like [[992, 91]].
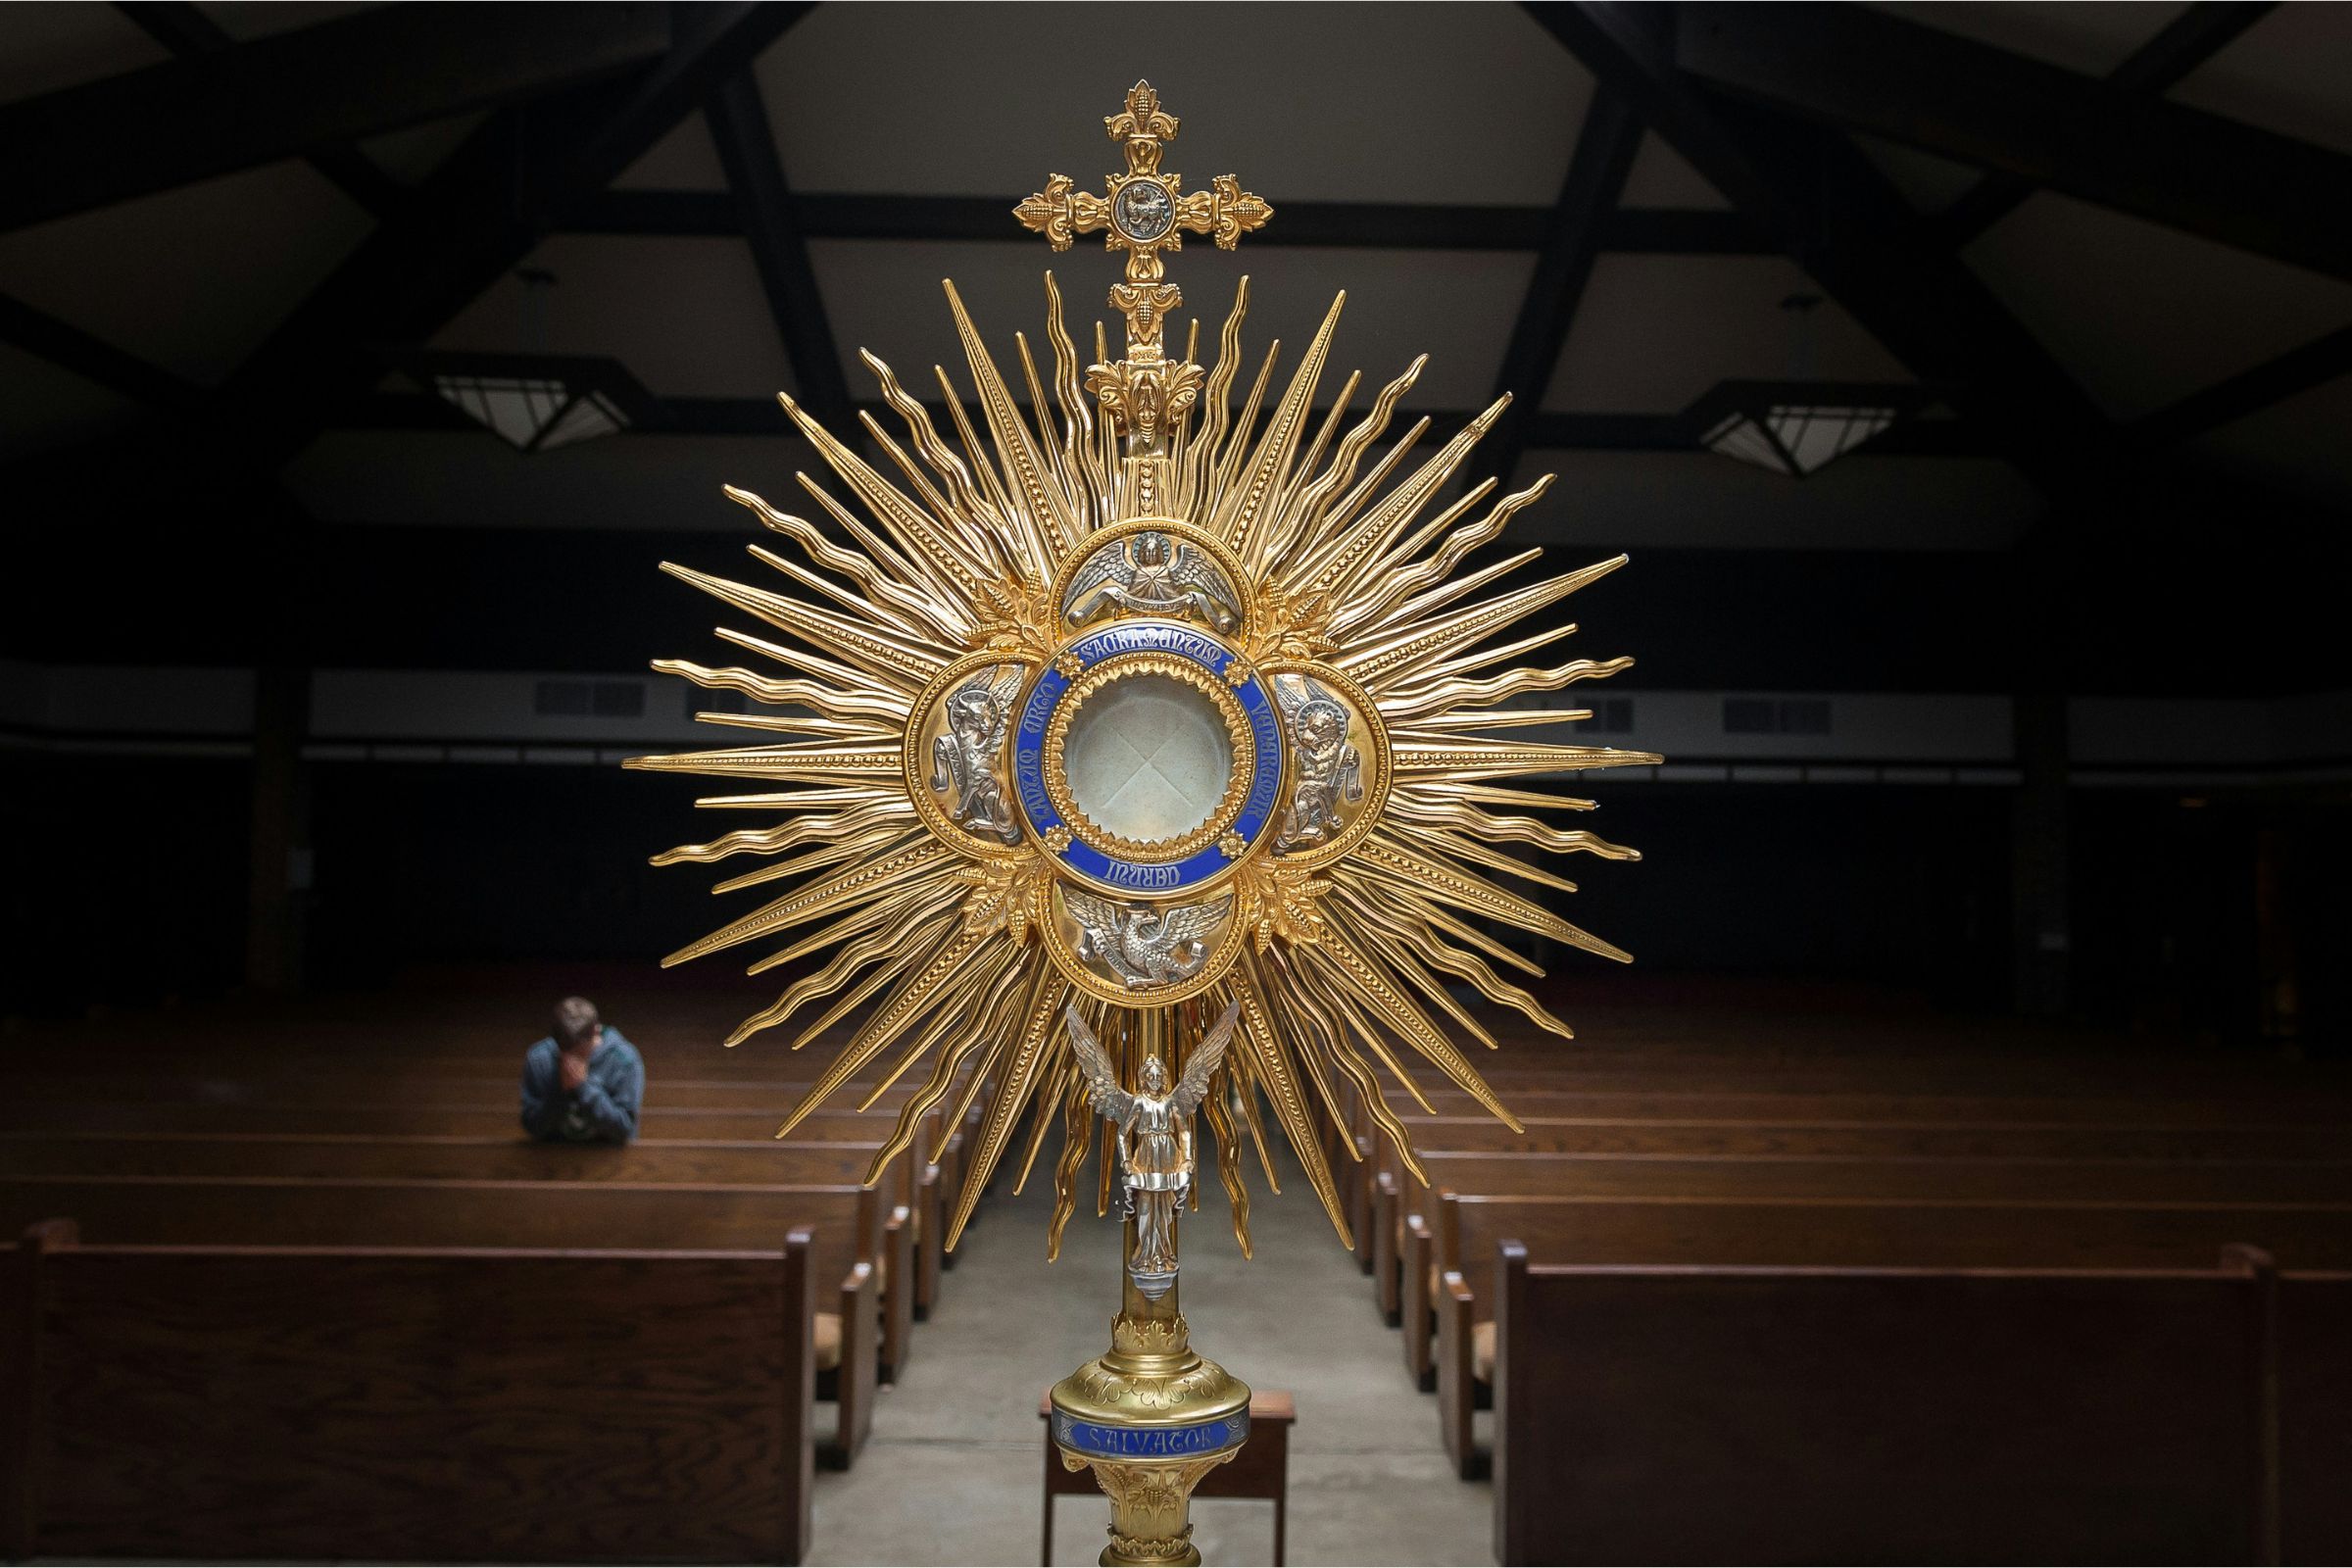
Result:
[[1212, 656], [1098, 1442]]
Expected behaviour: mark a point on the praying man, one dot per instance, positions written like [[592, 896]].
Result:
[[583, 1083]]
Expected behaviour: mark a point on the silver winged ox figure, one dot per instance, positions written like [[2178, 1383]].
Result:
[[1155, 1138], [1144, 945], [1153, 574]]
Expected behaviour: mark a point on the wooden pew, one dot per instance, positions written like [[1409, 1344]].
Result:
[[1927, 1132], [2315, 1415], [355, 1118], [1827, 1232], [1383, 1176], [2090, 1108], [766, 1162], [1401, 1215], [329, 1403], [603, 1216], [1698, 1414]]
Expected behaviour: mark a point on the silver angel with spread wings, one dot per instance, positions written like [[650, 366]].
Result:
[[1146, 945], [1154, 574], [968, 757], [1155, 1138]]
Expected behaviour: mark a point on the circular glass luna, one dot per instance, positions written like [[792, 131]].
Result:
[[1143, 209], [1147, 759]]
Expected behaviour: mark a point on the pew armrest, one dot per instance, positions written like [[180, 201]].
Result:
[[1420, 1257], [1359, 1199], [899, 1289], [1457, 1379], [1388, 1205], [929, 1229], [860, 1307]]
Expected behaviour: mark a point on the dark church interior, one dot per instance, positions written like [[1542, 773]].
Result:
[[1991, 929]]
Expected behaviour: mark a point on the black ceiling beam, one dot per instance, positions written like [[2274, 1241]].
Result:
[[93, 359], [1829, 209], [2184, 43], [478, 215], [1606, 145], [1856, 69], [180, 26], [2297, 370], [1660, 230], [764, 206], [1554, 432], [188, 119]]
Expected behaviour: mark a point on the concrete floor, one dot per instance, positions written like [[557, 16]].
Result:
[[953, 1471]]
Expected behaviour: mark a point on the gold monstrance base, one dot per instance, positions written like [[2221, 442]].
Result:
[[1150, 1417]]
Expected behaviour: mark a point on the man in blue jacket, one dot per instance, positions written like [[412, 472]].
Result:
[[583, 1083]]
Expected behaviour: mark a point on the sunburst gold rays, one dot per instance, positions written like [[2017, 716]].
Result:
[[930, 952]]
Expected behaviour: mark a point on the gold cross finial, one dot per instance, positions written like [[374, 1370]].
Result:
[[1143, 212]]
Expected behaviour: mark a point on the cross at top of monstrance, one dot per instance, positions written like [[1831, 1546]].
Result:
[[1144, 211], [1125, 765]]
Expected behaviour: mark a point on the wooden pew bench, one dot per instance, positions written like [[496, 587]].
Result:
[[243, 1212], [1928, 1132], [1833, 1233], [357, 1118], [1702, 1414], [765, 1162], [406, 1403], [1402, 1216]]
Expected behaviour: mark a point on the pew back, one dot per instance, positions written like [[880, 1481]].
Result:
[[2315, 1415], [416, 1405], [1879, 1415]]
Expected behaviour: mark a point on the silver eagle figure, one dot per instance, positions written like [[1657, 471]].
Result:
[[966, 757], [1152, 573], [1144, 945], [1156, 1139]]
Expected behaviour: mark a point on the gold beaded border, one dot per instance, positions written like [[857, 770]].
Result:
[[1119, 668]]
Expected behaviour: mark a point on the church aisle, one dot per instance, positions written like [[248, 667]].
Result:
[[953, 1471]]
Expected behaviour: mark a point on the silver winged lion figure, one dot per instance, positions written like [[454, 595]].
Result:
[[1155, 1138], [1146, 945], [1152, 573], [966, 758]]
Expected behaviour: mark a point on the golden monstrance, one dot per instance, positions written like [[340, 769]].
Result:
[[1141, 767]]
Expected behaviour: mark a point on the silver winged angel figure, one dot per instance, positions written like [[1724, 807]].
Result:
[[1146, 945], [1152, 574], [966, 758], [1155, 1138]]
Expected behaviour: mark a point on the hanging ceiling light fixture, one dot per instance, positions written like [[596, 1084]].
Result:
[[532, 400], [1797, 426]]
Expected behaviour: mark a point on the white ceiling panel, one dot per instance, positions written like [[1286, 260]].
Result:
[[687, 317], [1655, 332], [1459, 307], [684, 160], [2091, 38], [55, 44], [1697, 501], [44, 407], [2290, 72], [1392, 103], [466, 479], [2142, 314], [193, 278], [2298, 445], [1660, 178]]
